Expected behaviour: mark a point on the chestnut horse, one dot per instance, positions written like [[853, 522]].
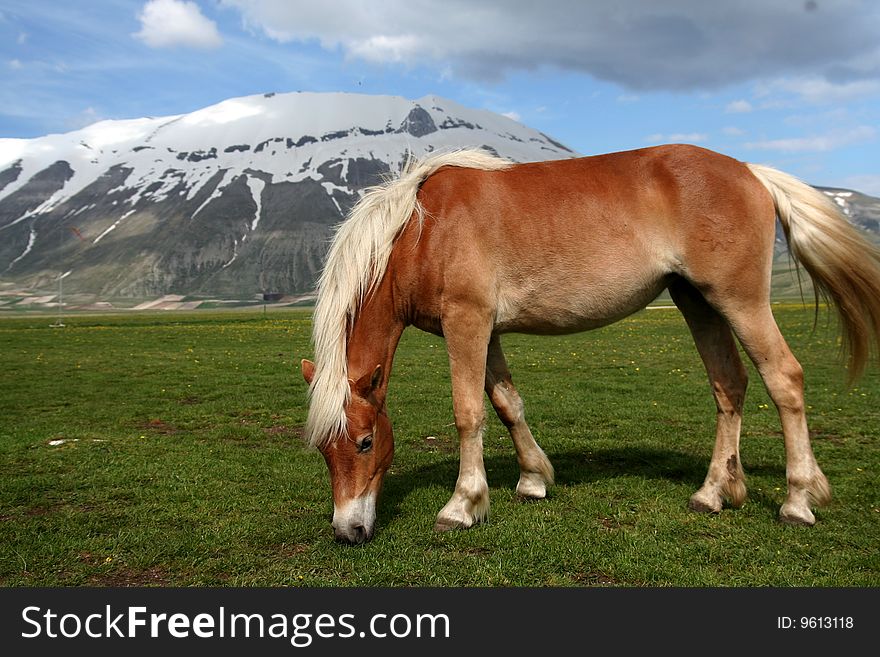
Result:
[[468, 247]]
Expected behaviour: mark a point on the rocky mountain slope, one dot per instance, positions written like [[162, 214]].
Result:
[[234, 200]]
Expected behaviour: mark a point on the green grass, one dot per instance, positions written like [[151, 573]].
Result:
[[182, 462]]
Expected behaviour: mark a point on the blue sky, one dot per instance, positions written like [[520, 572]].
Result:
[[792, 83]]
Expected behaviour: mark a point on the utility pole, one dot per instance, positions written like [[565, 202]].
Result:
[[59, 323]]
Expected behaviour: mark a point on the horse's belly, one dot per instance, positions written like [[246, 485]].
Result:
[[557, 309]]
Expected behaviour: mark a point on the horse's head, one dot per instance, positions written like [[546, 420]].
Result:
[[358, 460]]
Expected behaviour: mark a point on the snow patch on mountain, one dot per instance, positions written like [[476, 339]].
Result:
[[256, 186], [229, 199], [841, 198], [306, 129]]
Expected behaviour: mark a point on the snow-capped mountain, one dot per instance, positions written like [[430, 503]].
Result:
[[234, 199], [861, 209]]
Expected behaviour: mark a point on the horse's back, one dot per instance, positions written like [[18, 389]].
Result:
[[569, 245]]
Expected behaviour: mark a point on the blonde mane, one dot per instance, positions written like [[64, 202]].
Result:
[[355, 264]]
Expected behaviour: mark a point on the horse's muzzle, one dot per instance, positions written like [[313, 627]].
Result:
[[355, 521], [353, 535]]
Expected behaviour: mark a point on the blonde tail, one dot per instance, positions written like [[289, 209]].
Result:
[[844, 266]]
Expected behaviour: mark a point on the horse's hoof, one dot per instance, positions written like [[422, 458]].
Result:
[[700, 505], [531, 490], [446, 525], [790, 515]]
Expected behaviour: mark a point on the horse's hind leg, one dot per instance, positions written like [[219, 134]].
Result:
[[784, 378], [728, 378], [536, 472]]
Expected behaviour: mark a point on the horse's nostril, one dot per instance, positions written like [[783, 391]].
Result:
[[356, 534]]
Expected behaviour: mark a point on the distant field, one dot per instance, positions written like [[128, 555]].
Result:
[[164, 449], [787, 286]]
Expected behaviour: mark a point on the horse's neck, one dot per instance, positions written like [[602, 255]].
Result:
[[374, 335]]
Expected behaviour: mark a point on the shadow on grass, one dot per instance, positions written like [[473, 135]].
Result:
[[571, 468]]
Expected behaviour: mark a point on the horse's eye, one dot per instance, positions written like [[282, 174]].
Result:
[[365, 444]]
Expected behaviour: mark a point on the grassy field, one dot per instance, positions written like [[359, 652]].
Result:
[[164, 449]]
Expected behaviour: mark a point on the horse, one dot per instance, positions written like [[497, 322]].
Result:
[[468, 246]]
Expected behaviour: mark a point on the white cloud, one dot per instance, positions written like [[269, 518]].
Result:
[[865, 183], [513, 116], [640, 44], [733, 131], [626, 99], [22, 38], [738, 107], [817, 143], [816, 90], [383, 48], [836, 116], [677, 138], [85, 118], [172, 23], [15, 64]]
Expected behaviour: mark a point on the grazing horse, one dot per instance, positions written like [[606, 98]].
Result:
[[469, 246]]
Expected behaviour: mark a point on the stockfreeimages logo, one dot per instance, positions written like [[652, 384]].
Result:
[[300, 629]]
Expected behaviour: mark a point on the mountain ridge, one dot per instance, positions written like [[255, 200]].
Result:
[[233, 200]]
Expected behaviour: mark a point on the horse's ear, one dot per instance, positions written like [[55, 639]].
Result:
[[368, 383], [308, 370]]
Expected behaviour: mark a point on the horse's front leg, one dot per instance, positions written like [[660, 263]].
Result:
[[467, 340]]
